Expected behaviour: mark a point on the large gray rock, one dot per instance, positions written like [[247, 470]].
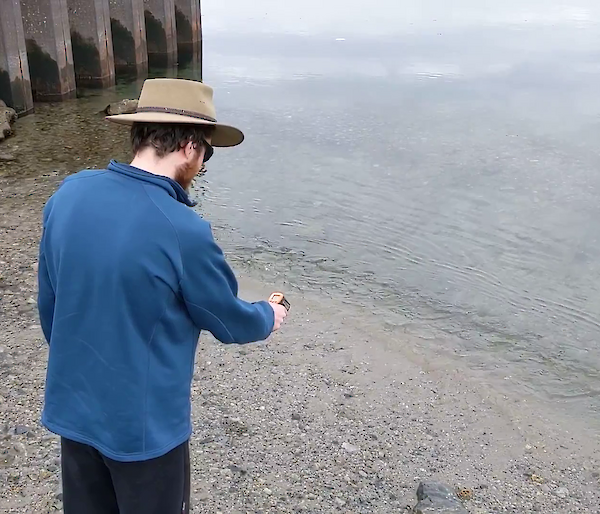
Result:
[[437, 498], [7, 117], [122, 107]]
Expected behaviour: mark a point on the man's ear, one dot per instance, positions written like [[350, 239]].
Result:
[[188, 149]]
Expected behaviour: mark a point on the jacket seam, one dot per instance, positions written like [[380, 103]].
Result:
[[149, 346], [203, 309], [73, 178], [162, 314], [172, 227]]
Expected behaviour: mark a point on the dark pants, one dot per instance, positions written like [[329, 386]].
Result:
[[94, 484]]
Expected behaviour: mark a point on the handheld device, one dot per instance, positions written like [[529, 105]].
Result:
[[280, 299]]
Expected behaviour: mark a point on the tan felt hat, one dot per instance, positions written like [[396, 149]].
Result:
[[180, 101]]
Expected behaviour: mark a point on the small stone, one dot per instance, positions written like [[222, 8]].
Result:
[[238, 469], [235, 426], [350, 448], [562, 492], [267, 491], [537, 479], [7, 157], [437, 497], [19, 449], [20, 430], [6, 459], [340, 502], [464, 493], [203, 496]]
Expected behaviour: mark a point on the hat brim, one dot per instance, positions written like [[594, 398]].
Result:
[[224, 135]]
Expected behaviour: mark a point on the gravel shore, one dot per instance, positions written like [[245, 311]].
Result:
[[332, 414]]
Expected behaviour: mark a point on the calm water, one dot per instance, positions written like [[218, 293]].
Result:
[[436, 163], [441, 161]]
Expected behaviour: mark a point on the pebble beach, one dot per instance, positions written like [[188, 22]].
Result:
[[331, 414]]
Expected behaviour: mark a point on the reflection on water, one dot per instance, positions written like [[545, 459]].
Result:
[[442, 169]]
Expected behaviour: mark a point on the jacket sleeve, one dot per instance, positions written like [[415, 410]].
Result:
[[209, 289], [45, 292]]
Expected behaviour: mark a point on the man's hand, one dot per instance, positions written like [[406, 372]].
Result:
[[280, 314]]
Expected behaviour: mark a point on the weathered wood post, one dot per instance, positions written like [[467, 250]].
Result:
[[91, 40], [48, 43], [15, 84]]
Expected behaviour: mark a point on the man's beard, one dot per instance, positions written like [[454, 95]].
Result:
[[184, 175]]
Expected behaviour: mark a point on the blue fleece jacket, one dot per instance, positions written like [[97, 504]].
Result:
[[128, 277]]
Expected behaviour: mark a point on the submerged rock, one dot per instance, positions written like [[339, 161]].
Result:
[[437, 498], [122, 107], [7, 117]]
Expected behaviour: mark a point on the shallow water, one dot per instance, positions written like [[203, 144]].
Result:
[[435, 164]]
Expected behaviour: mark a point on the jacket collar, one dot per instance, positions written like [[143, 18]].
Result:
[[169, 185]]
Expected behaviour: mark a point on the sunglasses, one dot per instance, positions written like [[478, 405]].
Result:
[[208, 150]]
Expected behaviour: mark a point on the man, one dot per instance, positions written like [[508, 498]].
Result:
[[128, 277]]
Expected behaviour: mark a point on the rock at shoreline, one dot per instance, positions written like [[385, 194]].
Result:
[[7, 117], [7, 157], [122, 107], [437, 498]]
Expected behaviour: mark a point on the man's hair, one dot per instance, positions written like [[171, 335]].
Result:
[[166, 137]]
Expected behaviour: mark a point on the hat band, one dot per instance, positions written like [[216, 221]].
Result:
[[181, 112]]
